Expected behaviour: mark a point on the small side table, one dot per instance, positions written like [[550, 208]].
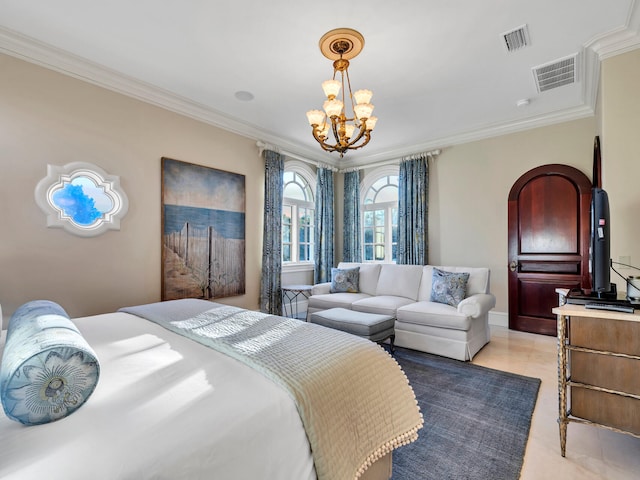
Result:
[[290, 295]]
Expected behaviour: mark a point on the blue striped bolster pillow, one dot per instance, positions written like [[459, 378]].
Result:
[[48, 369]]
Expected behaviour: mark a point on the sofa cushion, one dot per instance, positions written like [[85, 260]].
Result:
[[369, 273], [478, 280], [345, 280], [399, 280], [448, 287], [334, 300], [382, 304], [435, 315]]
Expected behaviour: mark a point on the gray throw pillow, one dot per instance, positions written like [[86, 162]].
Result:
[[448, 287], [345, 280]]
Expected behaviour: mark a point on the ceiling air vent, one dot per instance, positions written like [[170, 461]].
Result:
[[516, 39], [556, 74]]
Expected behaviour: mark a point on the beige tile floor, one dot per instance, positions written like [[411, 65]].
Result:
[[592, 452]]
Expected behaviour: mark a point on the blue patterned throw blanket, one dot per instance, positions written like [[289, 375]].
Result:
[[354, 400]]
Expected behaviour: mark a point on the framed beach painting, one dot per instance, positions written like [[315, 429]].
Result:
[[203, 231]]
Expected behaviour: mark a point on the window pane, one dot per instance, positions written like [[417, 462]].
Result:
[[379, 217], [368, 218], [293, 190], [305, 217], [302, 234], [380, 183], [368, 252], [368, 235], [380, 235], [387, 194], [394, 234], [286, 214], [286, 253], [379, 252], [394, 253], [286, 233]]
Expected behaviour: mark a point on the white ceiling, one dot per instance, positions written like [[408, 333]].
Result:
[[439, 69]]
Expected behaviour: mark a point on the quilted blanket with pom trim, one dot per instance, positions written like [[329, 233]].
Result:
[[355, 402]]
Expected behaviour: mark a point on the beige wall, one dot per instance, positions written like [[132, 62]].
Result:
[[46, 117], [469, 188], [620, 138]]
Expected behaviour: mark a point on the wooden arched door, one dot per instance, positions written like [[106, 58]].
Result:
[[549, 226]]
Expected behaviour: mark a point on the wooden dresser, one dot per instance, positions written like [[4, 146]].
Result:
[[598, 369]]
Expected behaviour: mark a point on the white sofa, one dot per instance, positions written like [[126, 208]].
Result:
[[404, 291]]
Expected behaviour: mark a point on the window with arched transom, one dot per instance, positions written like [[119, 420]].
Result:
[[298, 210], [380, 215]]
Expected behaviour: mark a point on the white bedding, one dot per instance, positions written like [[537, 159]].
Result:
[[149, 373]]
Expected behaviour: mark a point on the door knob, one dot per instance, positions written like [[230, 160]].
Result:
[[513, 266]]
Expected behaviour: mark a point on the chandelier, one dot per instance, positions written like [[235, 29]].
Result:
[[350, 129]]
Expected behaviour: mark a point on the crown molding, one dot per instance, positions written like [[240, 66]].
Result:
[[30, 50], [619, 41]]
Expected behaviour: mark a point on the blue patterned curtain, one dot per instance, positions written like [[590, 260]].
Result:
[[324, 226], [270, 293], [352, 250], [413, 203]]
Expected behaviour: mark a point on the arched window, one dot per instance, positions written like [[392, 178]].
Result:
[[298, 209], [380, 215]]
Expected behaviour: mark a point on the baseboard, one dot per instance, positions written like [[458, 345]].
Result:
[[500, 319]]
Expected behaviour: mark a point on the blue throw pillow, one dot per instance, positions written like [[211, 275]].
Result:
[[345, 280], [48, 370], [448, 287]]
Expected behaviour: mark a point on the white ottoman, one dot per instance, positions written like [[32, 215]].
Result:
[[373, 326]]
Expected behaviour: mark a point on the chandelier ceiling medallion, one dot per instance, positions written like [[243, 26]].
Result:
[[350, 129]]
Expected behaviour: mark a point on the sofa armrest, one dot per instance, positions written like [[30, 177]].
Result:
[[321, 288], [477, 305]]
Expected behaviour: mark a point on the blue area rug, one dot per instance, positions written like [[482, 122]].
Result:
[[476, 425]]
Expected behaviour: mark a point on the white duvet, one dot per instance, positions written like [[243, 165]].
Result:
[[165, 407]]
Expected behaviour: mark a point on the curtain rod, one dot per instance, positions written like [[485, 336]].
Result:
[[267, 146], [430, 154]]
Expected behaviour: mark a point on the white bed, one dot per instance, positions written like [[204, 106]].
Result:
[[165, 407]]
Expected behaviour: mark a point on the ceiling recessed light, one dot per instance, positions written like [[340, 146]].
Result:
[[244, 96]]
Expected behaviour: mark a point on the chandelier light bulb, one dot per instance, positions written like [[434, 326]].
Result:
[[333, 107], [371, 123], [315, 117], [331, 88], [363, 96], [349, 129], [363, 110]]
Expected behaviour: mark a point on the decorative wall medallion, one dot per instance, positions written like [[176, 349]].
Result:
[[81, 198]]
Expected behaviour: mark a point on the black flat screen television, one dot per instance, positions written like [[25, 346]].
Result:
[[600, 247]]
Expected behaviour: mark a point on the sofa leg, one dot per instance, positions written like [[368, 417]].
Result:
[[392, 347]]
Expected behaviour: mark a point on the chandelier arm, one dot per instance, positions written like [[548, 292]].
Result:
[[334, 129], [363, 132], [322, 143], [325, 146]]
